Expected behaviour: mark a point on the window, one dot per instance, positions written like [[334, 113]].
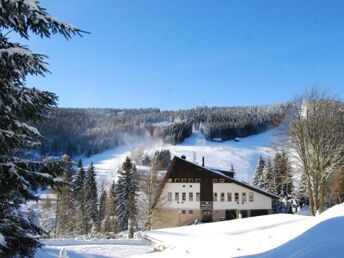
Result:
[[183, 196], [190, 197], [190, 180], [222, 197], [190, 211], [197, 197], [214, 180], [169, 196], [222, 180], [183, 211], [229, 197], [215, 197], [183, 180], [197, 180], [169, 180], [250, 197], [243, 197], [176, 196], [236, 197], [176, 180]]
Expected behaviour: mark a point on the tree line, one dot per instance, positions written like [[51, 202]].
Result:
[[76, 131]]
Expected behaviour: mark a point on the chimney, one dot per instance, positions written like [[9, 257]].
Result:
[[202, 161], [183, 157]]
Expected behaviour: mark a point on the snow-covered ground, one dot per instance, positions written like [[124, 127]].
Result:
[[93, 248], [243, 154], [279, 235]]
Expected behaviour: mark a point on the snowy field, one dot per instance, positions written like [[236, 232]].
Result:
[[279, 235], [105, 248], [243, 154]]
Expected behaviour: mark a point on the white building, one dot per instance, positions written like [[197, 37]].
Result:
[[190, 191]]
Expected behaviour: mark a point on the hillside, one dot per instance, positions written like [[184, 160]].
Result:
[[243, 154], [91, 131]]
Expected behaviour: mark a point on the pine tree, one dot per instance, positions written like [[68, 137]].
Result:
[[258, 179], [20, 177], [126, 192], [79, 199], [65, 213], [102, 208], [269, 181], [109, 224], [91, 199]]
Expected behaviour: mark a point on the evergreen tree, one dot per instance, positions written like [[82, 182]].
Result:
[[79, 198], [65, 213], [102, 208], [20, 177], [109, 224], [258, 179], [269, 181], [91, 199], [126, 193]]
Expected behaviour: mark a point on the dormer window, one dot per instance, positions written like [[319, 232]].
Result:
[[183, 180], [222, 180], [197, 180], [190, 180], [176, 180], [214, 180]]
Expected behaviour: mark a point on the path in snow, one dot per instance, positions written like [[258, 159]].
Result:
[[103, 248]]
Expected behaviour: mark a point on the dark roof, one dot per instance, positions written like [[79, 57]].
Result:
[[218, 172]]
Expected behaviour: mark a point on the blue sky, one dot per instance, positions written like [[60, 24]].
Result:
[[181, 54]]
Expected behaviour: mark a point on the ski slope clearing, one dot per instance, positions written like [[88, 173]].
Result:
[[104, 248], [279, 235], [243, 154]]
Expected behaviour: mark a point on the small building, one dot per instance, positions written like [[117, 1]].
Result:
[[194, 192]]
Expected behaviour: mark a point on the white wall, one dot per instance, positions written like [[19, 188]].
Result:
[[260, 201], [181, 188]]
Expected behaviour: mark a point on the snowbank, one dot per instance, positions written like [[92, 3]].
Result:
[[279, 235]]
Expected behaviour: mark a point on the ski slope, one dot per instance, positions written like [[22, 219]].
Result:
[[243, 154], [279, 235]]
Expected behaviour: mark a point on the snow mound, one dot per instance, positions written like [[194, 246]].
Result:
[[278, 235]]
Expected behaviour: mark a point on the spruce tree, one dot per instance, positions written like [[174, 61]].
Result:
[[65, 213], [79, 199], [126, 193], [109, 224], [20, 177], [102, 208], [91, 199], [258, 179]]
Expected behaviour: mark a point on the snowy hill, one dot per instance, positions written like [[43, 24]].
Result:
[[279, 235], [243, 154]]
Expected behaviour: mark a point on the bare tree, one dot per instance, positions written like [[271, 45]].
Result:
[[317, 136]]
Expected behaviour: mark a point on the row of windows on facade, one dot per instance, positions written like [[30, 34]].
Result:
[[192, 180], [216, 197]]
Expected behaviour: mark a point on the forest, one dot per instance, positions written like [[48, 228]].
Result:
[[77, 131]]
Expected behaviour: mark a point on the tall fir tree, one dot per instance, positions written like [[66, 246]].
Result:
[[109, 224], [126, 193], [102, 208], [258, 179], [65, 213], [91, 200], [20, 177], [79, 198]]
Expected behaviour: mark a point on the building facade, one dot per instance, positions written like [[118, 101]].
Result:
[[194, 192]]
